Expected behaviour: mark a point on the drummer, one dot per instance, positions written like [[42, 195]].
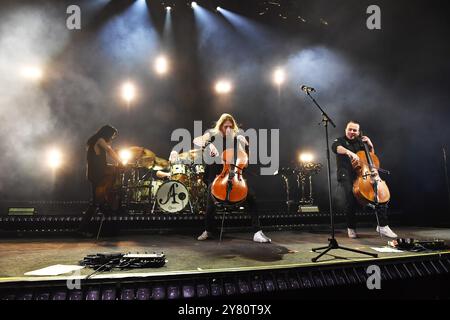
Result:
[[173, 158]]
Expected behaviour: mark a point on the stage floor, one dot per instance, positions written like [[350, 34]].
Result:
[[185, 254]]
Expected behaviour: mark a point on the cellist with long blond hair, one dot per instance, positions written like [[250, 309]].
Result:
[[225, 134]]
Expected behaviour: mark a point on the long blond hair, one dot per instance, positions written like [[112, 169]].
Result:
[[225, 117]]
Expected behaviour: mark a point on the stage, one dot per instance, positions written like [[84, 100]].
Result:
[[192, 261], [130, 126]]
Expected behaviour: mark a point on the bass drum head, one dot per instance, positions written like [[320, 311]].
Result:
[[172, 196]]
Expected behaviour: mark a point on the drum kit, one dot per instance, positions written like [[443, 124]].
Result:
[[182, 189]]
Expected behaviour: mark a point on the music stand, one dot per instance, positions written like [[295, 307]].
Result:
[[332, 242]]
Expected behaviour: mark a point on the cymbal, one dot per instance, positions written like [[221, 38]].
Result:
[[160, 162], [141, 152], [191, 154], [154, 163], [146, 162], [147, 158]]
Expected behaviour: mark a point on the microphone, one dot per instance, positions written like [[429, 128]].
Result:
[[307, 89]]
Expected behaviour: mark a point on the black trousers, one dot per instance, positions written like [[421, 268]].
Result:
[[350, 205], [87, 225], [210, 223]]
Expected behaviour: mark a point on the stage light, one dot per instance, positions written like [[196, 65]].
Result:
[[279, 76], [257, 286], [128, 91], [194, 5], [25, 296], [270, 285], [158, 293], [93, 294], [243, 287], [202, 290], [306, 157], [188, 291], [223, 87], [168, 8], [282, 285], [143, 294], [173, 292], [76, 295], [216, 290], [54, 158], [42, 296], [125, 155], [218, 9], [32, 73], [161, 65], [109, 294], [230, 289], [127, 294], [293, 283], [59, 295]]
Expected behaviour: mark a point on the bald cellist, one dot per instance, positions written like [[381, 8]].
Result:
[[346, 149]]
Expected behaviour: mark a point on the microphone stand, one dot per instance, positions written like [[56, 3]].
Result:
[[332, 242]]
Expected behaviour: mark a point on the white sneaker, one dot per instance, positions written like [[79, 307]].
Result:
[[386, 231], [261, 237], [352, 233], [205, 235]]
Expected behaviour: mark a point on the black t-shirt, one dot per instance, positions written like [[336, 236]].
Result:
[[343, 162], [96, 164]]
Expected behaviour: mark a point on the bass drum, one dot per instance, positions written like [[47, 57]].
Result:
[[172, 196]]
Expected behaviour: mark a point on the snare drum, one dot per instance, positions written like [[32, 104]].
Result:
[[172, 196], [179, 172], [199, 169]]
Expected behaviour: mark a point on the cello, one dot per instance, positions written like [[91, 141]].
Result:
[[368, 188], [230, 186]]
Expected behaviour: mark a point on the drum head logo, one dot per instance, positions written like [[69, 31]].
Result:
[[172, 196]]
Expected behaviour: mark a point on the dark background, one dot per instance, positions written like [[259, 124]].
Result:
[[394, 81]]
